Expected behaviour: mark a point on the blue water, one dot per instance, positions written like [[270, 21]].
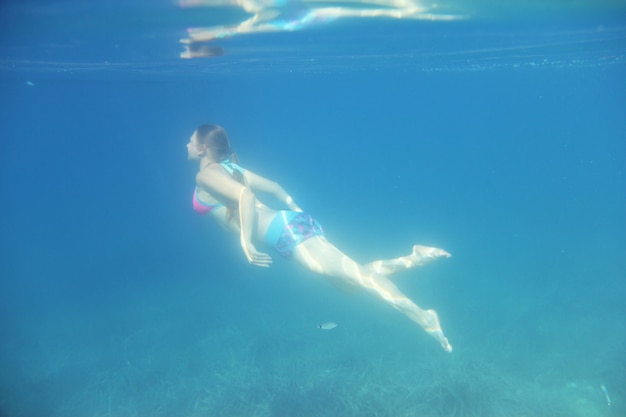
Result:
[[498, 137]]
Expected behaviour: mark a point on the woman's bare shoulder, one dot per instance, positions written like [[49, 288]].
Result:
[[210, 173]]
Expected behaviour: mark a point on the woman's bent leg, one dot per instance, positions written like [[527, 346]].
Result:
[[320, 256], [420, 255]]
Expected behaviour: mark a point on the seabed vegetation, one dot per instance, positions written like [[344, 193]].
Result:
[[265, 372]]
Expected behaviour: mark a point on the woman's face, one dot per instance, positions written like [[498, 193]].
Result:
[[194, 149]]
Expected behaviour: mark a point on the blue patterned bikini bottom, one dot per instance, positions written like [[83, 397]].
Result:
[[290, 228]]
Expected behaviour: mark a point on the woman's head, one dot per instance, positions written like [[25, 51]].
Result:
[[215, 139], [211, 142]]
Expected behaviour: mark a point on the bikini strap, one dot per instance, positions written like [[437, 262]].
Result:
[[231, 167]]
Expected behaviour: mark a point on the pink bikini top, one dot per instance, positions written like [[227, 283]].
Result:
[[203, 208]]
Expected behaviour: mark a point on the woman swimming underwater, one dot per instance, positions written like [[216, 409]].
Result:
[[226, 192]]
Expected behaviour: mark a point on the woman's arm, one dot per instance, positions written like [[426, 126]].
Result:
[[221, 184], [264, 185], [247, 220]]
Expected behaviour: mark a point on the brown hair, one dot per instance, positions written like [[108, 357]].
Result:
[[216, 138]]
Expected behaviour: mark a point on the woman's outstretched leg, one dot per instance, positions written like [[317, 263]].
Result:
[[420, 255], [320, 256]]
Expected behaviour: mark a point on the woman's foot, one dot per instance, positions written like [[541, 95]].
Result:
[[433, 328], [424, 254], [420, 255]]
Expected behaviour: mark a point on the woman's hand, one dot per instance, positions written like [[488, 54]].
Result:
[[258, 258]]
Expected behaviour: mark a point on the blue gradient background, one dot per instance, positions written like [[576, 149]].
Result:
[[500, 140]]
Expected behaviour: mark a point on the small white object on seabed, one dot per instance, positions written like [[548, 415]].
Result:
[[329, 325], [606, 394]]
